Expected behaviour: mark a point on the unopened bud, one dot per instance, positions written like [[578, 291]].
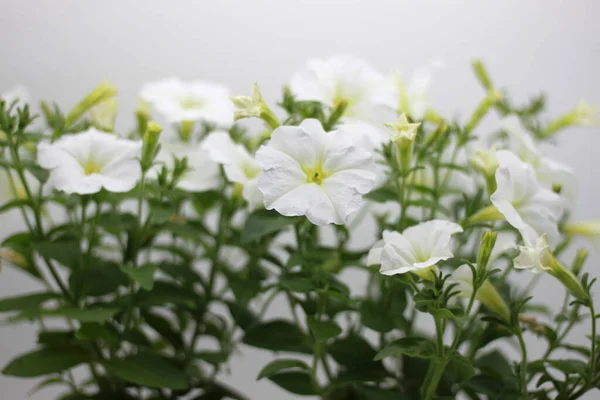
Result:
[[255, 106], [493, 97], [150, 146], [103, 115], [583, 114], [486, 163], [403, 135], [485, 250], [103, 92]]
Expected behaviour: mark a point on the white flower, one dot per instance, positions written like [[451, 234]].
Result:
[[202, 174], [89, 161], [371, 138], [402, 130], [548, 171], [240, 167], [411, 96], [307, 171], [418, 247], [189, 102], [528, 207], [336, 79], [535, 256], [586, 115], [18, 93]]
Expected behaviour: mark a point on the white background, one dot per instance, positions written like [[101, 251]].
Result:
[[61, 49]]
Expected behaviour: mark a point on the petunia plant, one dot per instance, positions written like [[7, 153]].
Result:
[[374, 248]]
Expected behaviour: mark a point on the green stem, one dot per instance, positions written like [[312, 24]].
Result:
[[523, 368], [593, 348]]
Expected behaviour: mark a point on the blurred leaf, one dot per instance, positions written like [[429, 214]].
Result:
[[164, 328], [46, 361], [89, 314], [143, 275], [323, 330], [294, 382], [374, 315], [34, 300], [263, 222], [65, 250], [243, 317], [277, 335], [56, 337], [276, 366], [409, 346], [97, 331], [148, 369], [569, 366]]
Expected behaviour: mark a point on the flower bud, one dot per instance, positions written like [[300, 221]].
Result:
[[486, 163], [583, 115], [104, 114], [485, 250], [587, 229], [150, 146], [103, 92], [493, 97], [254, 107], [580, 259], [489, 213], [143, 113], [482, 75], [403, 135]]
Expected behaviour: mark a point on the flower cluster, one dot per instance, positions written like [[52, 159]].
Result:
[[145, 241]]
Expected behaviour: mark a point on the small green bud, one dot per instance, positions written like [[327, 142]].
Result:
[[403, 135], [143, 113], [482, 75], [103, 92], [580, 259], [150, 145], [485, 250], [103, 115], [487, 164], [583, 115], [489, 213]]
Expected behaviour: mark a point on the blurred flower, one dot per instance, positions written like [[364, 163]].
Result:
[[89, 161], [341, 79], [307, 171], [586, 115], [190, 102], [525, 205], [105, 91], [548, 171], [587, 229], [240, 167], [203, 174], [417, 248], [403, 132], [104, 114], [536, 257]]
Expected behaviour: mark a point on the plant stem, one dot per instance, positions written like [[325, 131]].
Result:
[[593, 347], [523, 368]]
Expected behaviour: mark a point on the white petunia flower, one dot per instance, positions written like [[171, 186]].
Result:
[[307, 171], [202, 175], [336, 79], [528, 207], [535, 256], [548, 171], [240, 167], [411, 97], [189, 102], [89, 161], [418, 247]]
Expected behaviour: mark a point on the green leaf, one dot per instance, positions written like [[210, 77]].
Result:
[[45, 361], [64, 250], [296, 284], [294, 382], [354, 353], [99, 278], [323, 330], [459, 368], [213, 357], [164, 328], [382, 195], [56, 337], [17, 203], [442, 313], [167, 293], [89, 314], [276, 366], [375, 316], [263, 222], [143, 275], [375, 393], [409, 346], [243, 317], [495, 364], [29, 301], [569, 366], [277, 335], [96, 331], [116, 222], [148, 369], [44, 384]]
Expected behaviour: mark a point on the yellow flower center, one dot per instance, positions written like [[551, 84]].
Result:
[[91, 167], [315, 175], [250, 171], [190, 103]]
